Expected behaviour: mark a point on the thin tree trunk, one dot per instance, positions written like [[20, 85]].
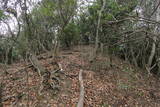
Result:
[[98, 25], [152, 53], [97, 32], [157, 30], [134, 58]]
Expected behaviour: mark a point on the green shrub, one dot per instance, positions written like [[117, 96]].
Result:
[[70, 35]]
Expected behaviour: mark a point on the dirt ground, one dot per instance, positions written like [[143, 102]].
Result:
[[119, 85]]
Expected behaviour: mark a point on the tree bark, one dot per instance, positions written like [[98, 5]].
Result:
[[37, 65], [81, 97], [98, 25], [97, 32], [157, 30], [153, 51]]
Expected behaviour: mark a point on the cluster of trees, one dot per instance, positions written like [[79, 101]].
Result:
[[128, 29]]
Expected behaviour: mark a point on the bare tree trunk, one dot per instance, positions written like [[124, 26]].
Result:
[[156, 17], [153, 51], [6, 56], [97, 32], [158, 63], [98, 25], [33, 59], [134, 58], [55, 48], [157, 30], [102, 48]]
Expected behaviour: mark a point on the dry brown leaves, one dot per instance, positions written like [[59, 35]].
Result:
[[105, 87]]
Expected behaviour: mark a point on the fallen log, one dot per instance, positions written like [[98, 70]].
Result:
[[81, 97]]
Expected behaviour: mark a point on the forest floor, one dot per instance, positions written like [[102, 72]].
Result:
[[118, 86]]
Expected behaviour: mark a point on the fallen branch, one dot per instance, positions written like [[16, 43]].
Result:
[[81, 97]]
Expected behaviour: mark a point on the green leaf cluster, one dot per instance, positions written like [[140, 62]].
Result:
[[70, 34]]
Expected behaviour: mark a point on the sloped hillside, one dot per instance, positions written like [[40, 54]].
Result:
[[120, 85]]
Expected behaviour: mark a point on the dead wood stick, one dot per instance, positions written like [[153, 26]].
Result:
[[81, 97]]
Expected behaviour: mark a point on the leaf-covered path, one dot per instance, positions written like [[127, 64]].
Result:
[[117, 86]]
